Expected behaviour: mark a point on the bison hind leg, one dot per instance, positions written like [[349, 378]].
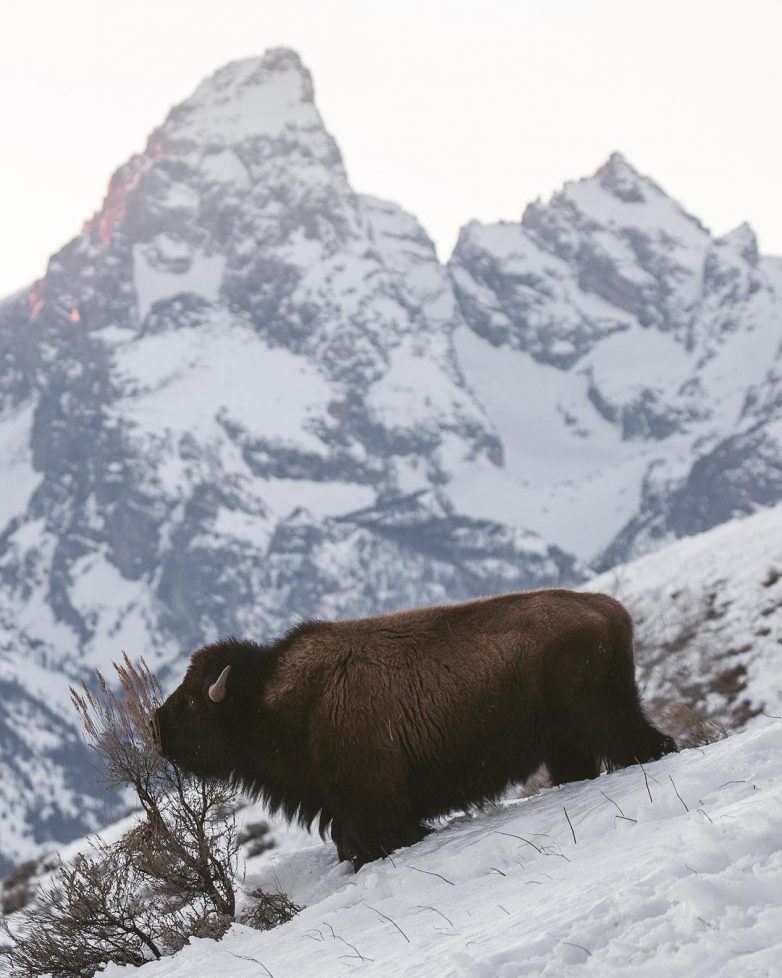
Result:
[[570, 762]]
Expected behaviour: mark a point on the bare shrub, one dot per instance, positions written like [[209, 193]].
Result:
[[269, 910], [171, 877]]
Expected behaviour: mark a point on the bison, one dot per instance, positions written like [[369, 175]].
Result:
[[377, 725]]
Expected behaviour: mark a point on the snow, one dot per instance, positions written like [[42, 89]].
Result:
[[116, 609], [574, 485], [226, 167], [637, 359], [180, 382], [320, 498], [415, 393], [203, 277], [20, 479], [688, 883]]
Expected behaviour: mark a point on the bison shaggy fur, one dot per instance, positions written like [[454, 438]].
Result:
[[376, 725]]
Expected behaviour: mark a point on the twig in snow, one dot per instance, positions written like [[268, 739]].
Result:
[[646, 780], [389, 857], [429, 873], [386, 917], [771, 716], [677, 793], [246, 957], [495, 870], [624, 818], [573, 831], [435, 910], [354, 948], [503, 909], [738, 781], [521, 837], [704, 812], [613, 803], [579, 946]]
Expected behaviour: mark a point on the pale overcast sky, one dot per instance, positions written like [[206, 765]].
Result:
[[457, 109]]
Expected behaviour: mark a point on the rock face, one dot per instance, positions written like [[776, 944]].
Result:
[[245, 394], [233, 401], [642, 356]]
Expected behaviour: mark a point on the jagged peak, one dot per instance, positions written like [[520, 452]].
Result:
[[618, 177], [258, 70], [743, 240], [618, 193], [251, 97]]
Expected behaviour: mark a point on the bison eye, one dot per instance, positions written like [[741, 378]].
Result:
[[191, 701]]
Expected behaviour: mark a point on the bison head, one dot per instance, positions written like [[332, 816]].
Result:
[[192, 727]]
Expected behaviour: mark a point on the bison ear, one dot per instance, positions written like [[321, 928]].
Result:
[[217, 689]]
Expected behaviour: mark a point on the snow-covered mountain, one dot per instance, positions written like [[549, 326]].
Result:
[[630, 362], [245, 394]]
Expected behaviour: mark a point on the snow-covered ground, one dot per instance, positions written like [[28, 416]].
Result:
[[677, 875]]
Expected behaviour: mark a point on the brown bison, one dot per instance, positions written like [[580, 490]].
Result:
[[378, 724]]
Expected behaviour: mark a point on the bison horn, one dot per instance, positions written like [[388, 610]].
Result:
[[217, 689]]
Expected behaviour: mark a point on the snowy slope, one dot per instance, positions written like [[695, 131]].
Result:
[[629, 361], [688, 883]]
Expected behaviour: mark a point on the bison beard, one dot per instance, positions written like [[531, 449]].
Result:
[[376, 725]]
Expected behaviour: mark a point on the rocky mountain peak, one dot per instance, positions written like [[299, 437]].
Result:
[[619, 178], [743, 241], [265, 96]]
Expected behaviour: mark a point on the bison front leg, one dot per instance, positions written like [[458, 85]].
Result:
[[338, 838], [362, 837]]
